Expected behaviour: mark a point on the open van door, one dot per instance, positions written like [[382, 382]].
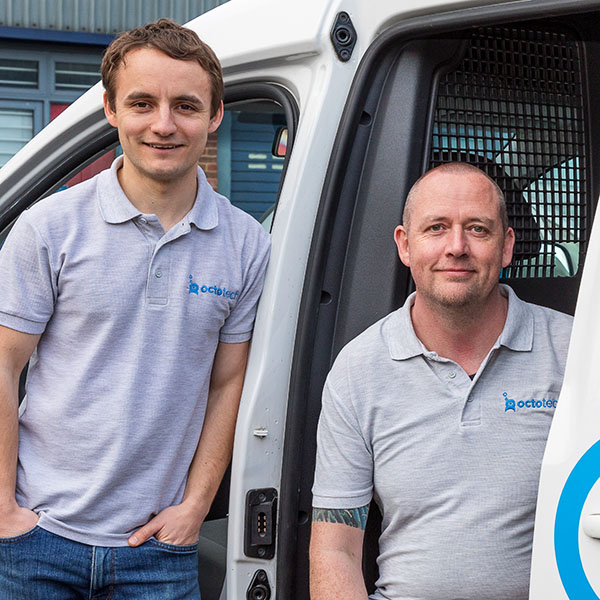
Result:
[[566, 550], [508, 87]]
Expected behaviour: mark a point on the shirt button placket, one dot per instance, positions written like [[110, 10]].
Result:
[[158, 284]]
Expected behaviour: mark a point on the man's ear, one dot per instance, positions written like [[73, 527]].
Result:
[[216, 119], [401, 239], [110, 114], [509, 244]]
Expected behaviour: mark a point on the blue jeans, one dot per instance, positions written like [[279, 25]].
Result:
[[39, 565]]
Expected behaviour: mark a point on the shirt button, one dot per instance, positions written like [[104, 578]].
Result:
[[143, 220], [469, 399], [452, 374], [158, 273]]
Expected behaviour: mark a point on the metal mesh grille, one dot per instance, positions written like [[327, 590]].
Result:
[[514, 107]]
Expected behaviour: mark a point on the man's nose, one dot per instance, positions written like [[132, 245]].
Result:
[[456, 241], [163, 123]]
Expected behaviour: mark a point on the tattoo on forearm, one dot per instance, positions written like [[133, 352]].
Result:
[[355, 517]]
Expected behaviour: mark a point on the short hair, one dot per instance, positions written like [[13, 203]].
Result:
[[175, 41], [455, 167]]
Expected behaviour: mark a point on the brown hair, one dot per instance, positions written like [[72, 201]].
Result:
[[175, 41]]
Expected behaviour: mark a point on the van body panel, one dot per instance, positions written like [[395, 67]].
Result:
[[566, 550], [340, 107]]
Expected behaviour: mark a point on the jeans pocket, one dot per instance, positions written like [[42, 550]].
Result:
[[20, 537], [183, 549]]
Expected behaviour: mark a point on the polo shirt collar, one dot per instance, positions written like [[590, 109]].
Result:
[[204, 214], [115, 207], [402, 340], [517, 334], [518, 330], [114, 204]]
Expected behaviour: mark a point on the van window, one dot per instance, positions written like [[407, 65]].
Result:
[[249, 172], [513, 106]]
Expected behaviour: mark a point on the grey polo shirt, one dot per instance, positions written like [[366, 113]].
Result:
[[130, 318], [452, 462]]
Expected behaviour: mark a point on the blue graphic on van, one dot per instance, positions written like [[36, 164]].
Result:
[[579, 484], [211, 289]]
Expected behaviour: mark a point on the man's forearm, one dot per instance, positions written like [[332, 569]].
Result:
[[15, 349], [180, 524], [335, 575], [14, 519], [9, 426], [214, 450]]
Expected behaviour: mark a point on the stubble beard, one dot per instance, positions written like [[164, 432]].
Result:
[[462, 305]]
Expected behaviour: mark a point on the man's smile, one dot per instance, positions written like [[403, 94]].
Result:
[[163, 146]]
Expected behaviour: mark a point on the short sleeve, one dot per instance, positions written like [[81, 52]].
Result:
[[239, 323], [344, 465], [28, 286]]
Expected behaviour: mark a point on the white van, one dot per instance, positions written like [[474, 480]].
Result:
[[372, 93]]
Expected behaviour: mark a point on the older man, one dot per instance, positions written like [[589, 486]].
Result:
[[440, 412]]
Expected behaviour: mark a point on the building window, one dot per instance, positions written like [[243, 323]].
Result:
[[34, 79], [76, 76], [16, 129], [18, 73]]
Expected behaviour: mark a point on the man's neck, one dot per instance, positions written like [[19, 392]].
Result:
[[462, 334], [169, 200]]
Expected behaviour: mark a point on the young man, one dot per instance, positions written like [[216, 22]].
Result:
[[133, 296], [422, 412]]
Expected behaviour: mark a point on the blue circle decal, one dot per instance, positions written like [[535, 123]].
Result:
[[566, 526]]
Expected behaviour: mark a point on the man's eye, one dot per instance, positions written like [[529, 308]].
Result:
[[478, 229], [436, 228], [141, 104]]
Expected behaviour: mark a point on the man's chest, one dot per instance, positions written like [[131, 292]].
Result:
[[438, 435], [127, 277]]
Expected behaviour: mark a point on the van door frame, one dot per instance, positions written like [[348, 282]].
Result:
[[314, 349]]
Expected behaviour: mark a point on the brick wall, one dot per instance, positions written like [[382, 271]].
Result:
[[208, 161]]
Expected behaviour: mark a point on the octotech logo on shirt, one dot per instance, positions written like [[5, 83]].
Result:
[[194, 288], [529, 404]]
